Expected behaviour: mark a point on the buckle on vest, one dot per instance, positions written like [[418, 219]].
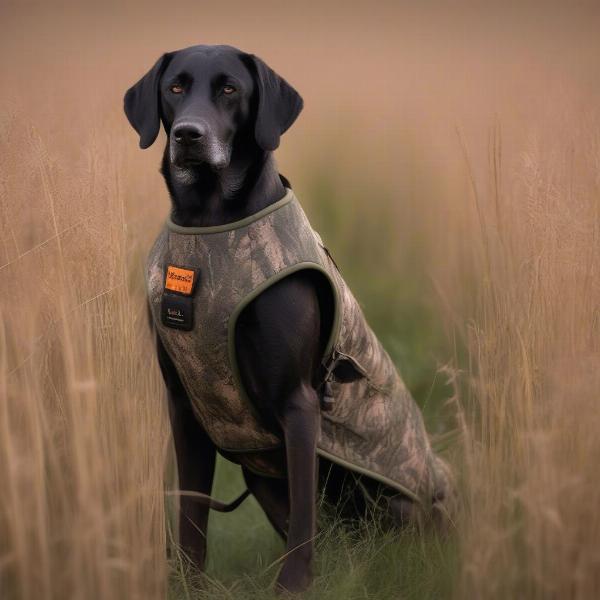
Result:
[[341, 368], [327, 399]]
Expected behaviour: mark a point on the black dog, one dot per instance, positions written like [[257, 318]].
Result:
[[224, 112]]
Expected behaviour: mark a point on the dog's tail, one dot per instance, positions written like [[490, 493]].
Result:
[[206, 500]]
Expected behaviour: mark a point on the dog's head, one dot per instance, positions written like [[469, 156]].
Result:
[[206, 98]]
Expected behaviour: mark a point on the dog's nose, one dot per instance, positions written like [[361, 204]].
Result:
[[188, 133]]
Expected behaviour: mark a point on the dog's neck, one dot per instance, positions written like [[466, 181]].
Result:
[[203, 197]]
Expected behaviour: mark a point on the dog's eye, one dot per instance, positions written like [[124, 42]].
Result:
[[228, 89], [176, 88]]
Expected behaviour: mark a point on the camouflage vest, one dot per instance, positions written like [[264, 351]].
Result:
[[369, 422]]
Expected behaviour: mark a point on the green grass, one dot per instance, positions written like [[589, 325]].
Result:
[[364, 561], [386, 273]]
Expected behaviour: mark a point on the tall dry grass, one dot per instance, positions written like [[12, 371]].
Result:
[[506, 224], [531, 418], [84, 433], [82, 422]]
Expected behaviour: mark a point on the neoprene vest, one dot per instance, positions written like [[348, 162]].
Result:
[[199, 279]]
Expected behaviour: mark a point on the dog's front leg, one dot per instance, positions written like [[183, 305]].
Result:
[[300, 422], [196, 456]]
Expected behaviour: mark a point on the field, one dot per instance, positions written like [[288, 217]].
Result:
[[450, 160]]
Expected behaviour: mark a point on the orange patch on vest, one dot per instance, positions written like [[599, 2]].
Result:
[[179, 280]]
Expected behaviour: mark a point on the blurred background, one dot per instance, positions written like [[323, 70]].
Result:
[[449, 154]]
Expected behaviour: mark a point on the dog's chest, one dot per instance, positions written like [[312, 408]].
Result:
[[201, 354]]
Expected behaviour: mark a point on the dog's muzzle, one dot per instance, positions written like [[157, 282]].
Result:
[[192, 144]]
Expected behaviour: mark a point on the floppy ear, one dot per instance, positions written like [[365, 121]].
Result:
[[279, 104], [142, 102]]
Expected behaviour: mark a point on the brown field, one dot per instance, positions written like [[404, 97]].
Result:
[[452, 160]]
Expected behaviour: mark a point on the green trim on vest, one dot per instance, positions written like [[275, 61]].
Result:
[[372, 474], [303, 266], [289, 196]]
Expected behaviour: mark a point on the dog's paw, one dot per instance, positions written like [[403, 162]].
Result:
[[294, 578]]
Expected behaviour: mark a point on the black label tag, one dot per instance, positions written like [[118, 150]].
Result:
[[177, 311]]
